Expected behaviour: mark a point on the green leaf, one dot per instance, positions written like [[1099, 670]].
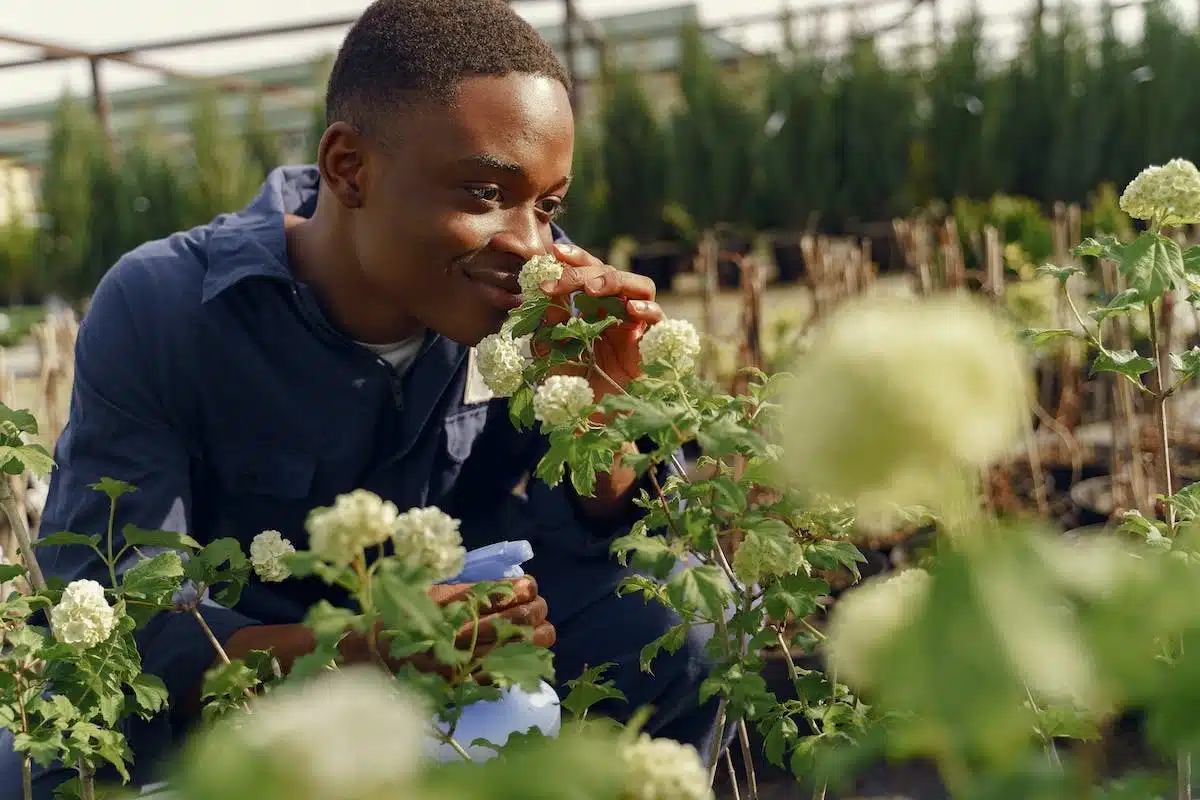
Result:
[[1153, 265], [18, 458], [1106, 247], [703, 589], [1191, 260], [1187, 503], [526, 319], [149, 695], [670, 641], [1129, 363], [137, 537], [67, 538], [154, 580], [24, 421], [520, 408], [1124, 302], [591, 307], [779, 738], [579, 329], [520, 664], [10, 571], [1186, 364], [1041, 336], [588, 689], [230, 680], [1062, 274], [794, 594], [113, 488]]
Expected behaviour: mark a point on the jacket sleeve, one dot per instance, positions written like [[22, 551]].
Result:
[[121, 426]]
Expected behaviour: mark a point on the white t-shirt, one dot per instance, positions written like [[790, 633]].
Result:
[[399, 354]]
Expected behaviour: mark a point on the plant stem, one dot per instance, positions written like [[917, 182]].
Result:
[[751, 778], [733, 779], [20, 529], [718, 740], [112, 522], [1160, 398], [27, 777], [87, 781], [454, 745], [212, 639]]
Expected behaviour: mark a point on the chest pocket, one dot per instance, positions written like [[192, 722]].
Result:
[[262, 488], [460, 433]]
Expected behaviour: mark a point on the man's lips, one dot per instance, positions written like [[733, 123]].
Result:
[[500, 278]]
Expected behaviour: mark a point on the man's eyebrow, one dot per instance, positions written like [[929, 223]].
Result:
[[489, 161]]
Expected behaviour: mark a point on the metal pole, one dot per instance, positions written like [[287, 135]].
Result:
[[570, 52]]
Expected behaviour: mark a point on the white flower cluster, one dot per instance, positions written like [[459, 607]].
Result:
[[867, 617], [357, 520], [896, 395], [502, 363], [673, 342], [663, 769], [83, 616], [351, 733], [562, 400], [266, 556], [538, 270], [430, 537], [1169, 193]]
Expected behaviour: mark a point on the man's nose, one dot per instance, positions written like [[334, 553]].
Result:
[[524, 234]]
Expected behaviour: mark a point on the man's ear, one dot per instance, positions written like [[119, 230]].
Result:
[[341, 161]]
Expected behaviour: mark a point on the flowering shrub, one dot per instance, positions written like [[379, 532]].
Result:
[[1006, 640]]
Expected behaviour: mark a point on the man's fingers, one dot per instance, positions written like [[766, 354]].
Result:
[[575, 256], [645, 311], [601, 281], [528, 615]]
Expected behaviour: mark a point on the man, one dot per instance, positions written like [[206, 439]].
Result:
[[317, 341]]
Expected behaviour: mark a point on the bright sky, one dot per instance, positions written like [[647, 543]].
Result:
[[99, 24]]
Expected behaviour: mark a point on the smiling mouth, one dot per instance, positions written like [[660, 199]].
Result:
[[499, 278]]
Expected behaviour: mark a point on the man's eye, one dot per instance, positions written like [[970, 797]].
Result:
[[551, 206], [488, 194]]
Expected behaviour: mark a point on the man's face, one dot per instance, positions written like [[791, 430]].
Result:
[[460, 197]]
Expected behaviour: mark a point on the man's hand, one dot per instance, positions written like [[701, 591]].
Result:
[[524, 607], [617, 357]]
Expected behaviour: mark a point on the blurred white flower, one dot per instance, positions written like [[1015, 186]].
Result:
[[1169, 193], [896, 397], [266, 556], [673, 342], [347, 734], [430, 537], [562, 400], [83, 616], [357, 520], [501, 363], [663, 769], [538, 270], [867, 617]]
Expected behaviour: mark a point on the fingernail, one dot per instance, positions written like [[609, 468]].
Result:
[[637, 305], [548, 286], [566, 249]]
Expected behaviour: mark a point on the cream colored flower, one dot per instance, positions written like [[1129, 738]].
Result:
[[562, 400], [673, 342], [83, 616], [663, 769], [266, 556], [501, 363], [538, 270], [867, 617], [430, 537], [897, 397], [1169, 193], [356, 521], [348, 734]]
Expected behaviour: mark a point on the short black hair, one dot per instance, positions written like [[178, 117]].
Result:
[[404, 50]]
